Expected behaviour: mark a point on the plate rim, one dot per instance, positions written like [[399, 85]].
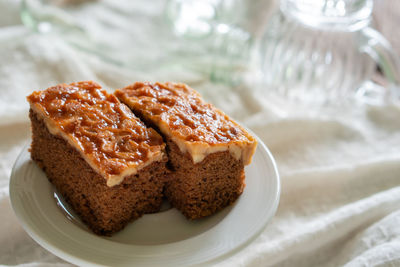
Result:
[[74, 259]]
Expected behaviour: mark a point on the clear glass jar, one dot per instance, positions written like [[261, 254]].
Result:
[[320, 51]]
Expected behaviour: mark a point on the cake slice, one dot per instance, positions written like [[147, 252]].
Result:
[[104, 161], [207, 150]]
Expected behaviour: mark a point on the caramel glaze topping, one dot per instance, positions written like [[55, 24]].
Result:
[[105, 131], [180, 113]]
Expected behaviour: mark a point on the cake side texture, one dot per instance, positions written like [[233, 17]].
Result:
[[202, 189]]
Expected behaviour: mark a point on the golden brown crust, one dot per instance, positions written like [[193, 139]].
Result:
[[195, 126], [113, 141]]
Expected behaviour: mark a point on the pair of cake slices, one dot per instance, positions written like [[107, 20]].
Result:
[[114, 157]]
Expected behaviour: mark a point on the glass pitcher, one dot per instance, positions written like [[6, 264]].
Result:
[[320, 51]]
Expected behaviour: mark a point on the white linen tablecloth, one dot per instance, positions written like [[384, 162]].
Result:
[[340, 172]]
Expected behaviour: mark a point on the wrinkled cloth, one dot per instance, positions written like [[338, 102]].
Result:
[[340, 170]]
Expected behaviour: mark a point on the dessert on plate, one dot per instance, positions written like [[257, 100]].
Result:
[[104, 161], [207, 151], [113, 164]]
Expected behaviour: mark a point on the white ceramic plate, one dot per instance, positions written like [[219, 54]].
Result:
[[162, 239]]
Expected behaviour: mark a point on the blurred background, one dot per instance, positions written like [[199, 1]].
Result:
[[310, 52]]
